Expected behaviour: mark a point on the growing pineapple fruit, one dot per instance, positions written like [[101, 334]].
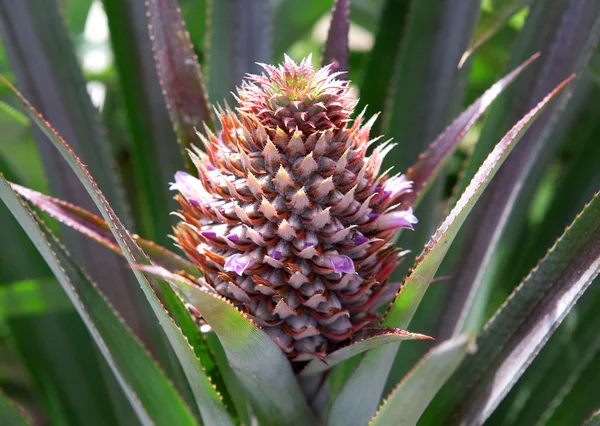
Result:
[[288, 215], [290, 219]]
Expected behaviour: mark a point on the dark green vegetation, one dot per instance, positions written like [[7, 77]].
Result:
[[68, 358]]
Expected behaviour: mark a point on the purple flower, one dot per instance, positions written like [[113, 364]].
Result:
[[189, 186], [341, 264], [396, 185], [209, 234], [238, 263], [360, 239], [395, 220], [233, 237], [275, 254]]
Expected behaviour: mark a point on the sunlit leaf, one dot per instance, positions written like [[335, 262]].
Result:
[[406, 403]]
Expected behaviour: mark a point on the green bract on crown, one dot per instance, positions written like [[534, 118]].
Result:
[[289, 219]]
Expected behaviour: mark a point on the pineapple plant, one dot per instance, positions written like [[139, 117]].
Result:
[[297, 221]]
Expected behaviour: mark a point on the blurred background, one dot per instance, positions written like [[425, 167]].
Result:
[[41, 338]]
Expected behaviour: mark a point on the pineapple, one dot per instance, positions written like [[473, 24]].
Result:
[[290, 219]]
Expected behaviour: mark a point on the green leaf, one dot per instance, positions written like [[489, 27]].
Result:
[[571, 32], [147, 389], [375, 366], [259, 363], [153, 142], [239, 37], [406, 403], [491, 22], [204, 395], [336, 50], [96, 228], [10, 414], [32, 297], [55, 348], [428, 166], [384, 337], [517, 332], [179, 71], [594, 420]]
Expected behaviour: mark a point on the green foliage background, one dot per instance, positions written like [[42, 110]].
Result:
[[48, 363]]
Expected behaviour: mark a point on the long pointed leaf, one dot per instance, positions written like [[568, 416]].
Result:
[[140, 378], [406, 403], [259, 363], [336, 51], [594, 420], [10, 414], [178, 70], [206, 398], [341, 355], [517, 332], [424, 171], [375, 366], [96, 228]]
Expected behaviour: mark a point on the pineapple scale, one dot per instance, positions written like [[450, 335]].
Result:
[[290, 221]]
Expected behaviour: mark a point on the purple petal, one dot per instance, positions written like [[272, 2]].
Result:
[[238, 263], [275, 254], [360, 239], [209, 234], [341, 264], [396, 186], [395, 220], [188, 185]]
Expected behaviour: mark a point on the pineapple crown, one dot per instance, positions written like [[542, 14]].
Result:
[[296, 97]]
